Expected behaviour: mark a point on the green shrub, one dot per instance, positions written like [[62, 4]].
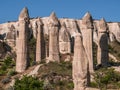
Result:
[[105, 77], [11, 72], [93, 84], [28, 83]]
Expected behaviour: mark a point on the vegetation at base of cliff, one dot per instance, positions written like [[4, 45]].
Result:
[[32, 49], [94, 53], [106, 78], [57, 75], [51, 76], [7, 67], [28, 83]]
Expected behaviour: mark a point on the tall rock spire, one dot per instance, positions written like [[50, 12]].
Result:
[[102, 52], [53, 25], [24, 15], [87, 33], [79, 64], [22, 61], [40, 52]]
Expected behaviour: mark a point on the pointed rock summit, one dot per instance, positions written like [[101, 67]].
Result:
[[54, 19], [87, 20], [24, 14], [103, 24]]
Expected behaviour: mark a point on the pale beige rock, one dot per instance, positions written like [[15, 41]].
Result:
[[24, 15], [53, 25], [114, 29], [87, 33], [40, 52], [64, 40], [21, 43], [79, 64], [102, 53]]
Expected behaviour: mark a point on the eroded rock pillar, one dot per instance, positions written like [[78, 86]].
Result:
[[53, 25], [102, 53], [40, 52], [21, 41], [79, 64], [87, 33]]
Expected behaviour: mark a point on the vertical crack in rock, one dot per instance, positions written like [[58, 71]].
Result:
[[102, 52], [40, 52], [87, 33]]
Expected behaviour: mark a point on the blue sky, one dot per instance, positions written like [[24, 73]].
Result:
[[109, 9]]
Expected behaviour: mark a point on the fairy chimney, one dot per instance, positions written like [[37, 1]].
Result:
[[40, 41], [87, 33], [53, 25], [21, 41], [79, 64], [102, 52]]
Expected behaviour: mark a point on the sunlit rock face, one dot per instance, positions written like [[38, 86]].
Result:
[[40, 47], [79, 64], [102, 42], [55, 37], [86, 28], [60, 39], [114, 31], [21, 41], [64, 40]]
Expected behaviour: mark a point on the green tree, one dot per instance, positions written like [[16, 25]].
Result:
[[28, 83]]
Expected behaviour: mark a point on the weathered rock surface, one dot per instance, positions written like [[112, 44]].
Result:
[[21, 42], [40, 52], [64, 40], [102, 52], [86, 27], [79, 64], [53, 38]]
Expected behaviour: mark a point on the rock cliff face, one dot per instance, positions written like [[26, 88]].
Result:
[[58, 37]]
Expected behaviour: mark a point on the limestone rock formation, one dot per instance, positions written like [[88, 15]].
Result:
[[114, 31], [40, 52], [64, 40], [79, 64], [53, 25], [87, 33], [24, 15], [21, 42], [102, 53]]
